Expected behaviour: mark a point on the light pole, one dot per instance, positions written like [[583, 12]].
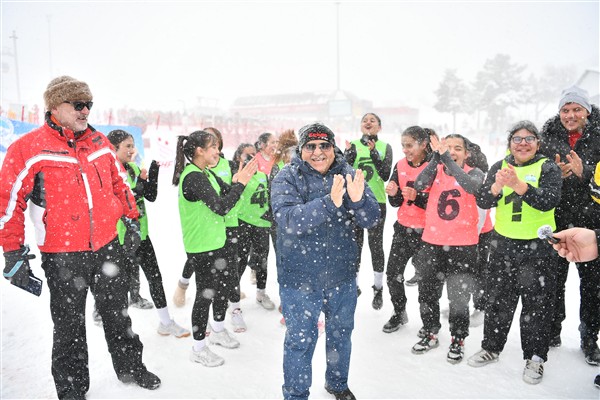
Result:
[[337, 27], [49, 19], [14, 38]]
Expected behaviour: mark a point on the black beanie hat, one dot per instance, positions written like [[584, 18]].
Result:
[[316, 131]]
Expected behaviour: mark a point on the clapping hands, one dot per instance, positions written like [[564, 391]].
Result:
[[354, 186]]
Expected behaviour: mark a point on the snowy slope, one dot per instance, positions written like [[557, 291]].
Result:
[[382, 365]]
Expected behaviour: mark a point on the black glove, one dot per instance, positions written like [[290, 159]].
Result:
[[133, 235], [153, 171], [151, 186], [17, 266]]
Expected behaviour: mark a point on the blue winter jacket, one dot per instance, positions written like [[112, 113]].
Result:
[[316, 246]]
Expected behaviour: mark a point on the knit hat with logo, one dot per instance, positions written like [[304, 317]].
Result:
[[316, 131]]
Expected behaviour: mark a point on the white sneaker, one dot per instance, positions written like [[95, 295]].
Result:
[[477, 318], [206, 357], [264, 300], [482, 357], [172, 329], [223, 339], [533, 372], [237, 320]]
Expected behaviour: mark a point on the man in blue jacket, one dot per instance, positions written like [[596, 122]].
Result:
[[317, 201]]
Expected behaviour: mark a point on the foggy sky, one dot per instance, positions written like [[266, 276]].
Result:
[[166, 54]]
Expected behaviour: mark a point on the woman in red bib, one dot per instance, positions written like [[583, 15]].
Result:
[[411, 217], [450, 241]]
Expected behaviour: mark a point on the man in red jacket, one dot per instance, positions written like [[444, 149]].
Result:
[[77, 191]]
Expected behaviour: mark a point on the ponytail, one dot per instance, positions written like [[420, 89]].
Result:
[[186, 147]]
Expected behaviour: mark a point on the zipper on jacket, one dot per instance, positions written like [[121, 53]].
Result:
[[98, 174], [87, 189]]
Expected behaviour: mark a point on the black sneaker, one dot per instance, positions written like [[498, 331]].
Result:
[[345, 394], [426, 344], [597, 381], [377, 298], [591, 351], [457, 350], [414, 281], [555, 341], [395, 322], [142, 378]]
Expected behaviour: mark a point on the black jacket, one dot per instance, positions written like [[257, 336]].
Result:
[[575, 205], [545, 197]]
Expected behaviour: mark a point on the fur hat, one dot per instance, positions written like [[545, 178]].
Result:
[[577, 95], [315, 131], [64, 88]]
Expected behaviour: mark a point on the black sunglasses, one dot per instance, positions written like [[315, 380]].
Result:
[[79, 105], [311, 147]]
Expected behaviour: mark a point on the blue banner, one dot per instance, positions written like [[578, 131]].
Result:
[[11, 130]]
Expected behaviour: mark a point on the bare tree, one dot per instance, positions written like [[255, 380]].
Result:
[[451, 95], [499, 86]]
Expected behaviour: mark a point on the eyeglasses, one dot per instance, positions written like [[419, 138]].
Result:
[[79, 105], [527, 139], [311, 147]]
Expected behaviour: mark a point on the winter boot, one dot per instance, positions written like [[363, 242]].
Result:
[[395, 322]]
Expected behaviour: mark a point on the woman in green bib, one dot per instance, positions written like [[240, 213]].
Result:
[[254, 218], [374, 157], [525, 187], [204, 200], [144, 185]]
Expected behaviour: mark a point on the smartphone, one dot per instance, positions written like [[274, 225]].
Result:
[[248, 158], [365, 139], [34, 285]]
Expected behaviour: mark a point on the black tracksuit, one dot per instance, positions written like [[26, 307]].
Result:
[[524, 269], [406, 243], [375, 237]]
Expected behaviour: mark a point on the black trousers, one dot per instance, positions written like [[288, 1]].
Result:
[[145, 257], [69, 276], [253, 251], [533, 280], [589, 292], [589, 308], [480, 271], [405, 244], [233, 260], [450, 264], [375, 242], [212, 287]]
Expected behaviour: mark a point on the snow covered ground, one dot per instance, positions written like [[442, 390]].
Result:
[[383, 366]]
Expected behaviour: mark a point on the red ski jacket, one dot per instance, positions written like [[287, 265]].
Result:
[[76, 187]]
